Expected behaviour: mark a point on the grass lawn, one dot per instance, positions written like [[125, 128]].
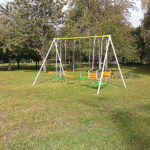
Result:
[[54, 115]]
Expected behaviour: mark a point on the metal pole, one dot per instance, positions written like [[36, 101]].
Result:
[[101, 77], [73, 56], [99, 60], [99, 55], [93, 57], [89, 53], [101, 52], [80, 58], [87, 37], [94, 52], [60, 60], [44, 62], [106, 66], [117, 62], [56, 64], [65, 52]]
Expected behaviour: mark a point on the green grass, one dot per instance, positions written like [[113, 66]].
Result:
[[58, 116]]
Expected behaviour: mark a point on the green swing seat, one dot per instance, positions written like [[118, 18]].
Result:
[[84, 78], [96, 84], [58, 78]]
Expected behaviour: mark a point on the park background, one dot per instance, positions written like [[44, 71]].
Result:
[[56, 115]]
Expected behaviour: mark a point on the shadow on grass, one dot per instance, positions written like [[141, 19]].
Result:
[[25, 67], [134, 68], [133, 127], [95, 103], [40, 82], [92, 86], [22, 67], [116, 84], [52, 67]]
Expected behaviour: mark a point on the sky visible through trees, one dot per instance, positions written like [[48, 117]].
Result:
[[136, 15]]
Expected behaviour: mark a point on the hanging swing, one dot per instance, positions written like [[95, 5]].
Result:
[[82, 77], [100, 53], [93, 76], [106, 74], [70, 76], [60, 76]]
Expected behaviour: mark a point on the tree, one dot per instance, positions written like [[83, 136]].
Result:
[[139, 42], [13, 29], [146, 28], [145, 3], [45, 16], [99, 17], [6, 35], [30, 25]]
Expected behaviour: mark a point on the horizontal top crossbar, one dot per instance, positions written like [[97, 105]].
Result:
[[87, 37]]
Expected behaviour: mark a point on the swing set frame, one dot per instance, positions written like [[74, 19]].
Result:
[[58, 55]]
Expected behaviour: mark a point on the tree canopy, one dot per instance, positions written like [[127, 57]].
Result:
[[28, 27], [146, 28]]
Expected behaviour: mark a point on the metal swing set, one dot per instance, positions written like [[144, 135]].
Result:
[[102, 65]]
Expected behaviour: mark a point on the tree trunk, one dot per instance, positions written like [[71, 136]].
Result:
[[9, 65], [49, 62], [44, 67], [36, 65], [73, 57], [73, 62], [123, 60], [18, 62], [65, 53], [80, 62], [65, 59], [89, 53], [141, 60], [106, 65]]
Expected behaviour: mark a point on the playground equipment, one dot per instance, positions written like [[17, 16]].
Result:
[[100, 54], [51, 72], [83, 77], [69, 76], [93, 57], [94, 76]]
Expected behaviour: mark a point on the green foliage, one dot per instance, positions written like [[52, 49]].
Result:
[[146, 29], [30, 25], [92, 17], [140, 43], [27, 27]]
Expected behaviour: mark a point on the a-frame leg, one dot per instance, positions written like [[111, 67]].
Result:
[[44, 62], [117, 63], [60, 60], [101, 77]]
